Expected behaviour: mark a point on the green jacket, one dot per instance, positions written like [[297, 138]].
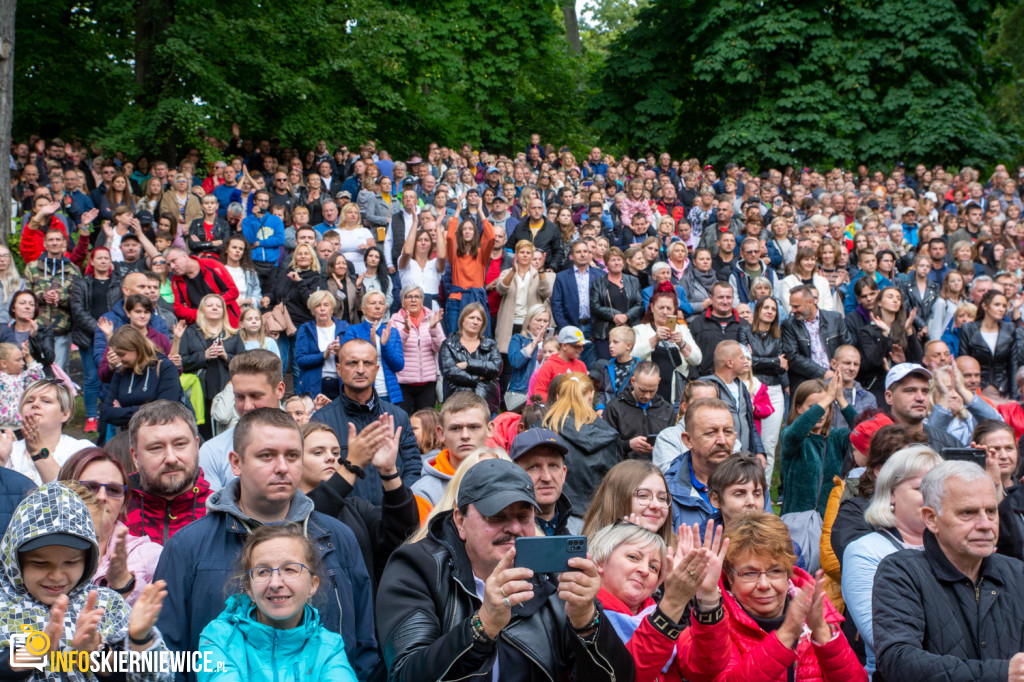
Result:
[[809, 458], [52, 273]]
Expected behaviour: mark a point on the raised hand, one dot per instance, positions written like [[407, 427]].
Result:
[[146, 611], [821, 631], [796, 615], [106, 326], [118, 574], [179, 329], [89, 216], [54, 629], [686, 567], [321, 401], [87, 635], [716, 546], [880, 323]]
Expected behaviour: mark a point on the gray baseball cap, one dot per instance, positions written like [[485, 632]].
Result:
[[494, 484]]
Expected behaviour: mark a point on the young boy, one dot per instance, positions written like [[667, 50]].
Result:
[[738, 486], [570, 345], [49, 555], [163, 241], [613, 375]]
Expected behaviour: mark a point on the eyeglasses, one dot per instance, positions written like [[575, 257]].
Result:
[[113, 489], [645, 496], [773, 575], [288, 572]]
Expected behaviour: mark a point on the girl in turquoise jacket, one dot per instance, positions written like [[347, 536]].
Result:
[[270, 631]]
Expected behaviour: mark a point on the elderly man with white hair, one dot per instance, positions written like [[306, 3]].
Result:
[[953, 611]]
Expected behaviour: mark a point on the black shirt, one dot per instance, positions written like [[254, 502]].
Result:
[[98, 301]]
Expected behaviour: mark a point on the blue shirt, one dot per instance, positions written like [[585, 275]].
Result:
[[701, 489]]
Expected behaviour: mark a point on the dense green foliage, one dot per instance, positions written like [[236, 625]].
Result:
[[797, 81]]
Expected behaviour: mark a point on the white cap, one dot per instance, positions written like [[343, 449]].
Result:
[[901, 371]]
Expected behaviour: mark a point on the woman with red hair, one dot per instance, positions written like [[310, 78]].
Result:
[[664, 338]]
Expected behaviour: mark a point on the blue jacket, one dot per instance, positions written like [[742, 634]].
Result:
[[269, 232], [245, 649], [392, 360], [522, 366], [310, 358], [199, 561], [119, 317], [565, 300], [687, 505], [80, 203], [13, 489]]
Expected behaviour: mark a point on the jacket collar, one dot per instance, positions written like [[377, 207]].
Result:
[[185, 499], [226, 500], [944, 569], [708, 314], [351, 406]]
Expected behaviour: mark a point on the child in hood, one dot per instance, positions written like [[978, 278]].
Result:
[[49, 555]]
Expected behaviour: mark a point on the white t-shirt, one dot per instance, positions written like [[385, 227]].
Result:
[[23, 464], [324, 336], [426, 278], [991, 338], [350, 242], [238, 275]]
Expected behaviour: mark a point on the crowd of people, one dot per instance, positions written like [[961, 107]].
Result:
[[330, 390]]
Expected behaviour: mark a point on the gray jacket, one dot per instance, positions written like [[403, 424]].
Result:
[[742, 414]]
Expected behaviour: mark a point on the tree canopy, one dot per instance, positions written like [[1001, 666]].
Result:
[[797, 81]]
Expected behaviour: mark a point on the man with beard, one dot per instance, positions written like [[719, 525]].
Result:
[[200, 561], [168, 490], [710, 435]]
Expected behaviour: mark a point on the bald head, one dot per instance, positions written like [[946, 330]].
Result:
[[971, 370], [726, 352], [134, 283]]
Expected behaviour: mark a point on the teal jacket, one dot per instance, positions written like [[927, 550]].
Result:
[[809, 458], [245, 650]]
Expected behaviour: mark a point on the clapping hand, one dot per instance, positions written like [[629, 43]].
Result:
[[145, 613], [435, 319], [179, 329], [685, 569], [106, 326], [320, 402], [87, 635], [118, 574], [88, 217]]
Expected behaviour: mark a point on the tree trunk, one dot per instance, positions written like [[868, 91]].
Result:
[[572, 26], [152, 19], [7, 8]]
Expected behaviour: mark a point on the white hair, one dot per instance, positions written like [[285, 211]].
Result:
[[933, 485]]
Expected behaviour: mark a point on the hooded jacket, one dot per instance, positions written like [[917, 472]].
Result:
[[158, 518], [433, 481], [249, 650], [199, 561], [51, 509], [158, 381], [428, 596], [593, 451]]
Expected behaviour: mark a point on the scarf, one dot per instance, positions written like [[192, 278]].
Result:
[[625, 623]]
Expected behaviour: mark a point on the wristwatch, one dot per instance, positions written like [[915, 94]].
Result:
[[42, 454]]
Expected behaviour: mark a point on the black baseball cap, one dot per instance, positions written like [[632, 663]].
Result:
[[536, 438], [62, 539], [494, 484]]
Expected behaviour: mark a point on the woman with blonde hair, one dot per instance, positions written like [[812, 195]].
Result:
[[11, 282], [205, 350], [355, 239], [469, 360], [592, 443], [316, 347], [180, 203]]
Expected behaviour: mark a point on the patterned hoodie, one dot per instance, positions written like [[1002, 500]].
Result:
[[52, 273], [51, 509]]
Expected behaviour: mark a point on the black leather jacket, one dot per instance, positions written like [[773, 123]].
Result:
[[481, 374], [766, 350], [83, 324], [912, 298], [601, 310], [998, 369], [796, 344], [427, 598], [221, 231]]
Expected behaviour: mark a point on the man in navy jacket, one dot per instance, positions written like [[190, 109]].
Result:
[[567, 305]]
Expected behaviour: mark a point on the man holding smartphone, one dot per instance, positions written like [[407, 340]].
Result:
[[454, 606]]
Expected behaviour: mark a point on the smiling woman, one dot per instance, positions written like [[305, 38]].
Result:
[[280, 574]]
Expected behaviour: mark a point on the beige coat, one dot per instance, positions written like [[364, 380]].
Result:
[[538, 291], [169, 205]]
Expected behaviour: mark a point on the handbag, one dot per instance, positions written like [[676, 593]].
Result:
[[805, 529], [277, 320]]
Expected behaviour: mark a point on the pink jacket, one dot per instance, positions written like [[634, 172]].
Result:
[[763, 407], [420, 346], [629, 206], [143, 554]]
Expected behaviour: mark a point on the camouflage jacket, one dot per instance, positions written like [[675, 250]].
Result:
[[58, 274]]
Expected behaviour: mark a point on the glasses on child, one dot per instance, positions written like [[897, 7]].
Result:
[[113, 489], [645, 496], [290, 571]]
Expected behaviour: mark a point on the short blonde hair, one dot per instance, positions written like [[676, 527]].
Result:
[[316, 298], [64, 398], [624, 334], [314, 262]]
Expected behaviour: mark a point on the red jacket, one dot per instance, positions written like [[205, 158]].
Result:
[[217, 279], [755, 656], [158, 518], [31, 244]]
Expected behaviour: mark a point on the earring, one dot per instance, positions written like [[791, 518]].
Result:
[[892, 507]]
